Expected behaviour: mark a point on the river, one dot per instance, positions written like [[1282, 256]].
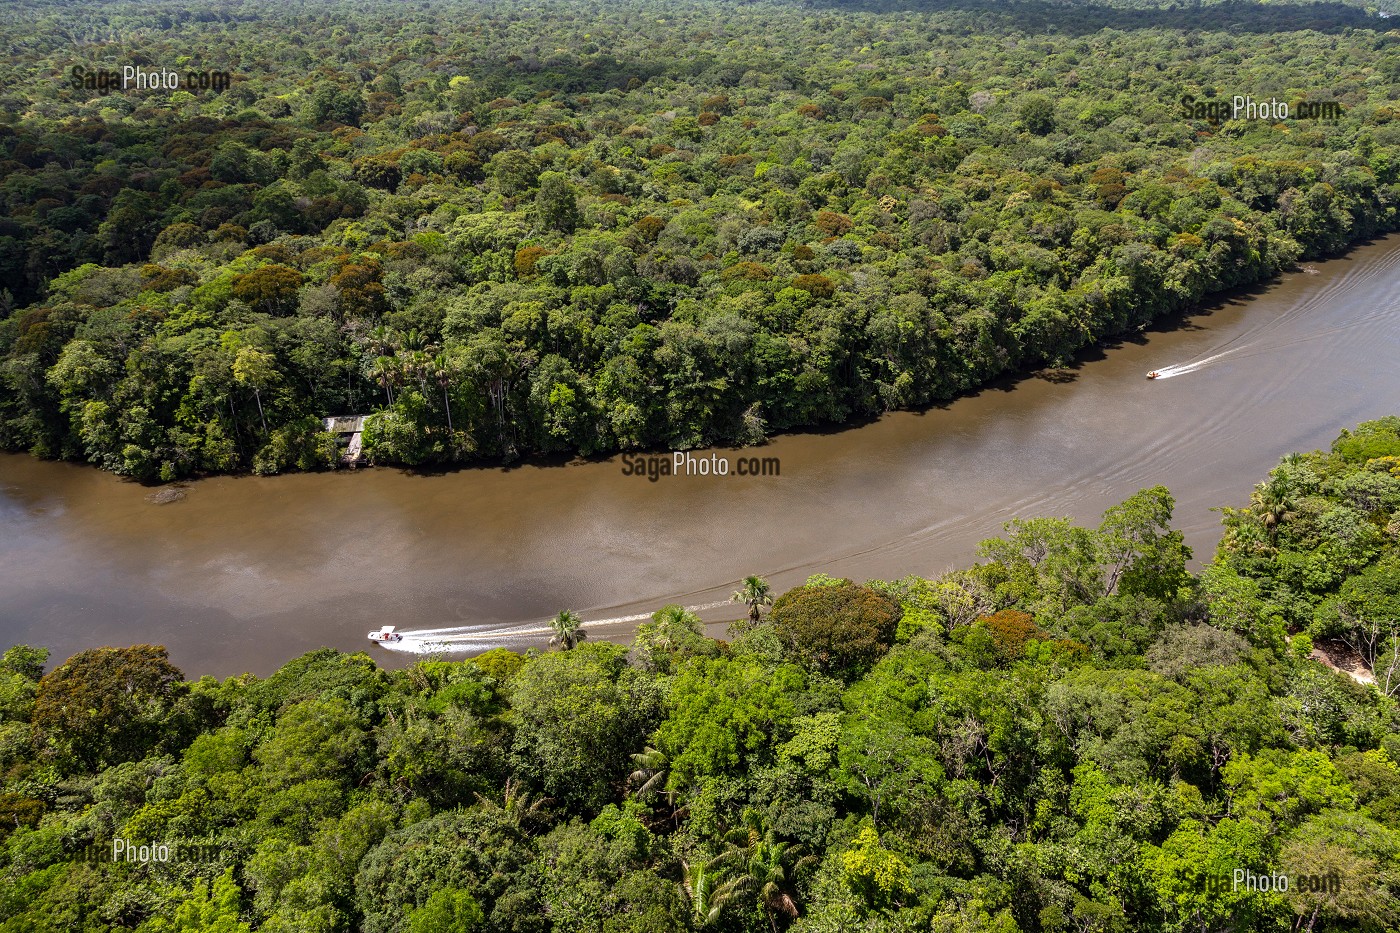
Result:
[[245, 573]]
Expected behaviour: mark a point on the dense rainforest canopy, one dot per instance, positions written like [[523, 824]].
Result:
[[530, 227], [1074, 734]]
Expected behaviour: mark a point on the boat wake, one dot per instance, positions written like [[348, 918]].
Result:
[[1256, 341], [1181, 369], [466, 638]]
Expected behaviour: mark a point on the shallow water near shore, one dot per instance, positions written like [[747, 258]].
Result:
[[243, 573]]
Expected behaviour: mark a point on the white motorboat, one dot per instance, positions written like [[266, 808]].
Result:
[[385, 634]]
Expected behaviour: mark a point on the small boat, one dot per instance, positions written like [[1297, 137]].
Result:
[[1154, 375], [385, 634]]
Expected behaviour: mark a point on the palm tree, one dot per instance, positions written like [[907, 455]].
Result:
[[756, 594], [1273, 502], [672, 632], [762, 866], [418, 365], [517, 805], [381, 341], [444, 371], [699, 883], [568, 630], [652, 766], [385, 370]]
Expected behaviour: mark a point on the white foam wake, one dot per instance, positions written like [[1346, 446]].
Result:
[[464, 638], [1181, 369], [1256, 345]]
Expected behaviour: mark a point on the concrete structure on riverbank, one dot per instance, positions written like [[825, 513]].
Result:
[[349, 430]]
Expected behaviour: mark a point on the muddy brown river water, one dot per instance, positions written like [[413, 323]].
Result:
[[244, 573]]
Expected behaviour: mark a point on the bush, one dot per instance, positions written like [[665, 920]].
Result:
[[301, 444]]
